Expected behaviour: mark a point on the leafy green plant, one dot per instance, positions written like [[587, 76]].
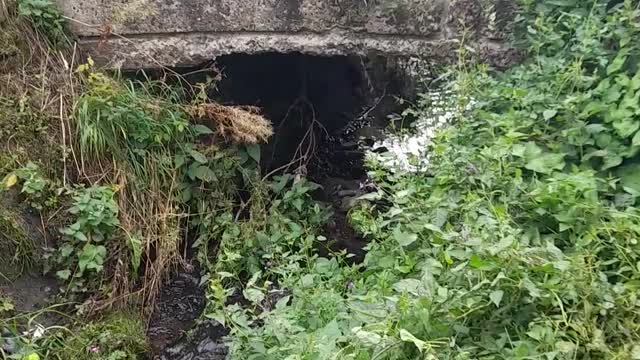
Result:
[[84, 249], [37, 189], [520, 241], [45, 17]]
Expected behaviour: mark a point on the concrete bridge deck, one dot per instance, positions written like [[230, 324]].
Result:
[[149, 33]]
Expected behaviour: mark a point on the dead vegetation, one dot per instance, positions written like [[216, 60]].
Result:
[[238, 124]]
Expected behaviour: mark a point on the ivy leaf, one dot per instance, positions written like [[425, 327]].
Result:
[[546, 163], [496, 297], [404, 238]]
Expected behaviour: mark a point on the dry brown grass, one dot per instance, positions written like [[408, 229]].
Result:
[[239, 124]]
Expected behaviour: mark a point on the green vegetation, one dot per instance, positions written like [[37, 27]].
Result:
[[118, 336], [16, 247], [520, 242], [83, 251], [45, 17]]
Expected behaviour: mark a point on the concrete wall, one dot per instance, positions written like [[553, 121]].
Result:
[[147, 33]]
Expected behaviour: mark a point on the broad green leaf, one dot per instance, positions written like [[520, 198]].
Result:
[[630, 178], [617, 63], [63, 274], [409, 337], [411, 286], [635, 81], [496, 297], [565, 347], [198, 156], [280, 183], [254, 295], [204, 173], [479, 263], [626, 127], [548, 114], [253, 150], [539, 332], [635, 141], [546, 163], [367, 337], [92, 257], [201, 130], [404, 238]]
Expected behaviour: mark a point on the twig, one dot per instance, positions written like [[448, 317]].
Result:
[[64, 145]]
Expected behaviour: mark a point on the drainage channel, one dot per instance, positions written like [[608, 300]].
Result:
[[326, 113]]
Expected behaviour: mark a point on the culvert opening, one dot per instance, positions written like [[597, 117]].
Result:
[[325, 110], [309, 100]]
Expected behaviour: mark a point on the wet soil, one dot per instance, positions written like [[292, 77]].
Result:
[[204, 342], [30, 292], [179, 305]]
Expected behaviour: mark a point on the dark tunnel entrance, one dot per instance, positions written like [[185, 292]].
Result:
[[316, 104]]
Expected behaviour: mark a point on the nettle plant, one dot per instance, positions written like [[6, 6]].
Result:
[[84, 249]]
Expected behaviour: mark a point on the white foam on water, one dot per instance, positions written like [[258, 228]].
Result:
[[409, 151]]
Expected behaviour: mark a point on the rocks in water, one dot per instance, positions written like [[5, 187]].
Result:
[[204, 342], [180, 303]]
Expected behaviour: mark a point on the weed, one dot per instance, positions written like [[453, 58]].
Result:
[[15, 244], [118, 335], [84, 249], [45, 18]]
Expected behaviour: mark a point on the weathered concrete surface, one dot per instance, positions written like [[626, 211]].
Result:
[[148, 33]]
